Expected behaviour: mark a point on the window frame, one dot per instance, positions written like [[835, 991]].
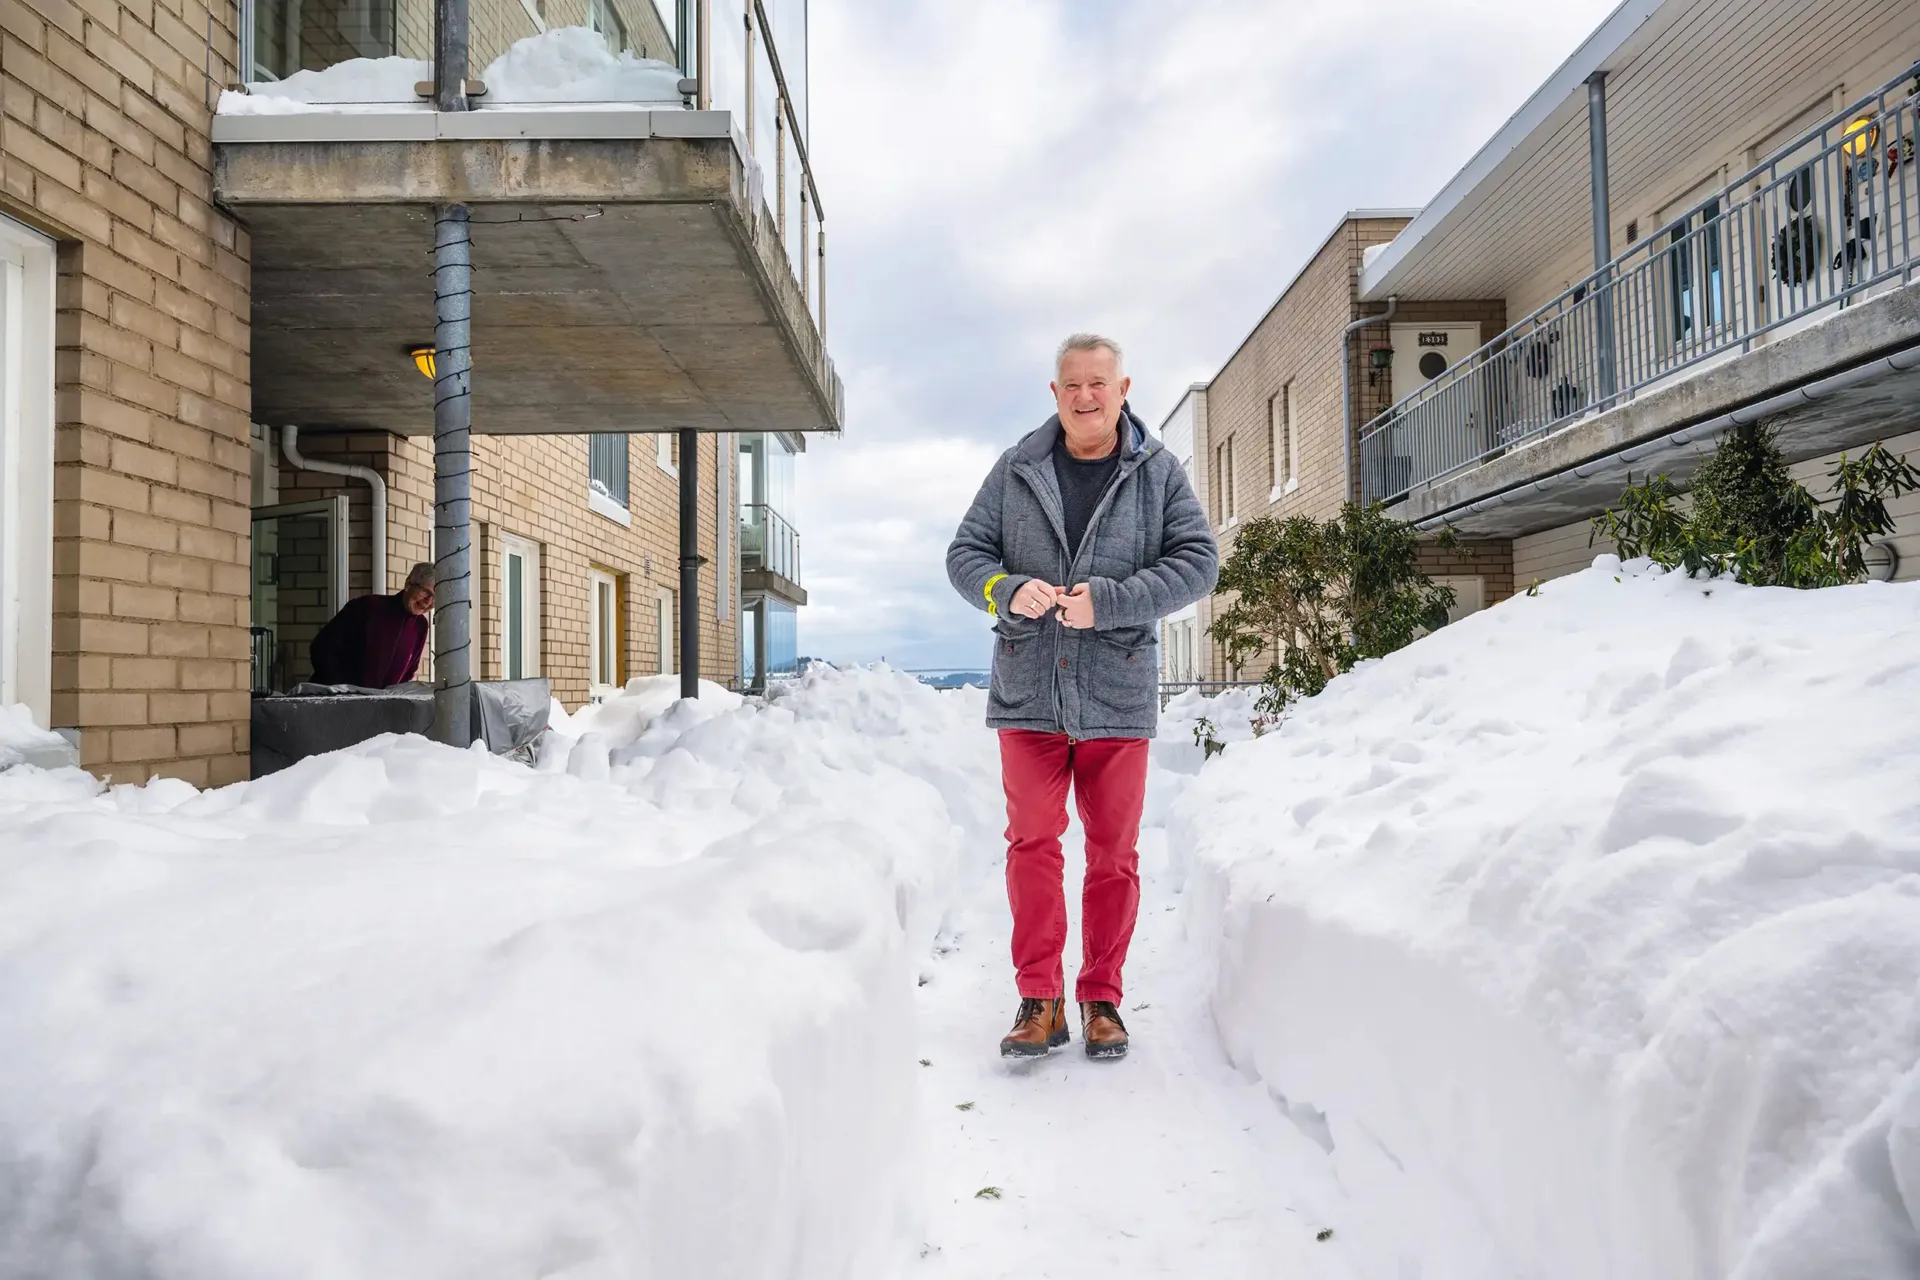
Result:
[[515, 547], [663, 614], [27, 309], [606, 654]]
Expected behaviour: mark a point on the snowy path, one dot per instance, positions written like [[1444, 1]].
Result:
[[1167, 1163]]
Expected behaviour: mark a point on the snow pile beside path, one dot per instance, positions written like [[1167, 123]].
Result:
[[563, 65], [1585, 933], [403, 1011]]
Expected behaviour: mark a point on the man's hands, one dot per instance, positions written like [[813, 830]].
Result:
[[1076, 608], [1035, 599]]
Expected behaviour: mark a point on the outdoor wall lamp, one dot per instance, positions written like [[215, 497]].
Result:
[[423, 360], [1381, 357]]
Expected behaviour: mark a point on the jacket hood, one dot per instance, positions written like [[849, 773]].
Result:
[[1037, 445]]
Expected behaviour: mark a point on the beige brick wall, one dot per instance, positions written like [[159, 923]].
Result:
[[1295, 351], [535, 487], [104, 145]]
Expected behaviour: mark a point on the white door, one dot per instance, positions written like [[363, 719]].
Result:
[[663, 616], [603, 644], [519, 608], [26, 469]]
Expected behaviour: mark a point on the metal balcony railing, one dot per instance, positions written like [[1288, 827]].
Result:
[[1816, 225], [768, 542]]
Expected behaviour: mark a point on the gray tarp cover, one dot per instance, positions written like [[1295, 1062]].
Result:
[[316, 718]]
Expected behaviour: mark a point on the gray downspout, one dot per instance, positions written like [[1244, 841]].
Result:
[[690, 563], [452, 413], [1602, 234], [1346, 390], [377, 497]]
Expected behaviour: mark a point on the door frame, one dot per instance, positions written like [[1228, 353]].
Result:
[[512, 545], [599, 630], [27, 304]]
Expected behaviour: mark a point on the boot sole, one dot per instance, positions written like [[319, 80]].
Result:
[[1107, 1051], [1015, 1049]]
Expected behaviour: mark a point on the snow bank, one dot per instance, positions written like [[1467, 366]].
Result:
[[1585, 933], [403, 1011], [24, 742], [563, 65]]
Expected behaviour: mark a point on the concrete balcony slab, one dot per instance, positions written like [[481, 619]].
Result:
[[628, 277]]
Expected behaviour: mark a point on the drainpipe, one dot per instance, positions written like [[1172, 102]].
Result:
[[690, 562], [452, 413], [1602, 232], [376, 496], [1346, 389]]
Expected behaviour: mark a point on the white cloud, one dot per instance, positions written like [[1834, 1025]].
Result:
[[999, 173]]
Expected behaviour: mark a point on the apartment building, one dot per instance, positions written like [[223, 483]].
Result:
[[214, 424], [1277, 417], [1710, 214]]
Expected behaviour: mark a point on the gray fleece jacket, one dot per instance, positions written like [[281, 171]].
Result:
[[1147, 552]]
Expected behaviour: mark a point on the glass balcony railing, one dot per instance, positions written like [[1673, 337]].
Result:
[[768, 542], [744, 57]]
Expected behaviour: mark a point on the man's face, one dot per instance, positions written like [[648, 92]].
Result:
[[1090, 392], [420, 601]]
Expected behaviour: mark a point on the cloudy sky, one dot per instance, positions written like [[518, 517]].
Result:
[[999, 173]]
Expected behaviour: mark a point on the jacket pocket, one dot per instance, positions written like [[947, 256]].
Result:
[[1019, 662], [1126, 670]]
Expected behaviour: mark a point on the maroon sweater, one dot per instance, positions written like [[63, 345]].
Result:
[[374, 642]]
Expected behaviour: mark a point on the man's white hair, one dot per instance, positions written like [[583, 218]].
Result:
[[1089, 342]]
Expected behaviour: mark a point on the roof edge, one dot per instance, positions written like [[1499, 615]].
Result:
[[1346, 219], [1384, 276]]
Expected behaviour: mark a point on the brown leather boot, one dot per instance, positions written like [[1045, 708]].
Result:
[[1101, 1029], [1039, 1028]]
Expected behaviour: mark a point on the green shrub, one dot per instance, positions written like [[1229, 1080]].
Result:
[[1750, 519], [1324, 594]]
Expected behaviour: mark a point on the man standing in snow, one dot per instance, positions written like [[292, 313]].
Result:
[[1085, 534]]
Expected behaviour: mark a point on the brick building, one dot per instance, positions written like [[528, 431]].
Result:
[[124, 266], [1269, 438], [174, 297]]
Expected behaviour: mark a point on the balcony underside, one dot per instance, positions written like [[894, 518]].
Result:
[[621, 283], [1580, 470], [768, 583]]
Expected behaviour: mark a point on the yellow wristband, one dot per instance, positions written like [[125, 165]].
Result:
[[993, 610]]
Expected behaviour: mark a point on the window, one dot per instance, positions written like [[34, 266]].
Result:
[[602, 17], [1695, 275], [607, 477], [723, 518], [26, 469], [519, 608], [603, 641], [663, 622], [1227, 482], [1283, 446], [666, 447]]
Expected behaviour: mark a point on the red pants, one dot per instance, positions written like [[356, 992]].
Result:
[[1109, 777]]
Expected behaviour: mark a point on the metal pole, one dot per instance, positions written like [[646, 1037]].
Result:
[[452, 475], [1346, 394], [450, 55], [690, 563], [1602, 232]]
